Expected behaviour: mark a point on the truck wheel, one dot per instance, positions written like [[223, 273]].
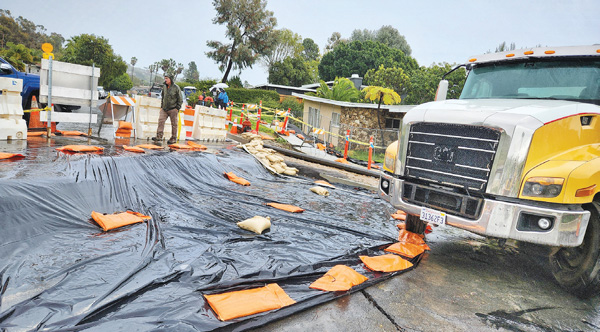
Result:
[[415, 224], [577, 269]]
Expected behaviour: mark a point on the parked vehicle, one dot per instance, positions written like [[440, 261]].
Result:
[[188, 91], [155, 91], [101, 93], [31, 87], [515, 157]]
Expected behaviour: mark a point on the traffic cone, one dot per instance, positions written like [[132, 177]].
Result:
[[234, 127], [34, 117]]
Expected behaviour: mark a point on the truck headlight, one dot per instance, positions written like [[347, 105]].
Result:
[[389, 161], [543, 187]]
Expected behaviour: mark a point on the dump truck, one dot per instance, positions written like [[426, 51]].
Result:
[[515, 157]]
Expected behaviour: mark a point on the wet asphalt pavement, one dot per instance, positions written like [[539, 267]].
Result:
[[465, 283]]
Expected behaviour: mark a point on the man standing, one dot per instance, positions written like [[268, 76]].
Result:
[[169, 107]]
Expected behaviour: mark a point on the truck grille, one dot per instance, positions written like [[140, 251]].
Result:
[[451, 154]]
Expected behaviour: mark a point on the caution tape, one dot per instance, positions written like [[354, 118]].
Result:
[[37, 109], [286, 113]]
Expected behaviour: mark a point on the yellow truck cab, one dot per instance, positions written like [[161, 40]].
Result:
[[515, 157]]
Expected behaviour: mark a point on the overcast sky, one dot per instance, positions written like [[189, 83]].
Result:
[[436, 30]]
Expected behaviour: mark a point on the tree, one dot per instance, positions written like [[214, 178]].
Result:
[[287, 44], [503, 47], [393, 78], [381, 95], [290, 71], [334, 40], [88, 49], [250, 29], [235, 82], [358, 57], [191, 74], [121, 83], [133, 62], [424, 82], [387, 35], [313, 69], [17, 55], [170, 67], [23, 31], [311, 50], [342, 90]]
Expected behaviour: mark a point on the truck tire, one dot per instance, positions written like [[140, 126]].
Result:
[[577, 269], [415, 224]]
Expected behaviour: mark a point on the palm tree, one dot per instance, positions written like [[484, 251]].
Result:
[[133, 62], [342, 90], [382, 95]]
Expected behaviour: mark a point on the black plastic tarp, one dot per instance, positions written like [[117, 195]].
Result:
[[59, 270]]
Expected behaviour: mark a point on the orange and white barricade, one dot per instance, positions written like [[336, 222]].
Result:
[[119, 107], [188, 121]]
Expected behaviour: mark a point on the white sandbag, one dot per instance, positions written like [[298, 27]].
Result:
[[320, 190], [278, 168], [273, 158], [256, 224]]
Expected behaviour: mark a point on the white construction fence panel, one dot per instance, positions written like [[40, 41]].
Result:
[[71, 84], [209, 123], [12, 124], [147, 111]]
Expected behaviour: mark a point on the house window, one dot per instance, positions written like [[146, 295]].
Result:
[[335, 119], [391, 123], [314, 117]]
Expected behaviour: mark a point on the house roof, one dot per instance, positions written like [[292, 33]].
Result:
[[286, 87], [391, 108]]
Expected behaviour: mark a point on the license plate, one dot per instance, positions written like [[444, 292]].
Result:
[[433, 216]]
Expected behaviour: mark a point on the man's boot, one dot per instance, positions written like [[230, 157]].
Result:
[[172, 140], [157, 139]]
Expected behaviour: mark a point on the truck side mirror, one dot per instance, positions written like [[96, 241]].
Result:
[[442, 91], [5, 69]]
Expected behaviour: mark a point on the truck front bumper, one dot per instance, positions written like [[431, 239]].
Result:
[[502, 219]]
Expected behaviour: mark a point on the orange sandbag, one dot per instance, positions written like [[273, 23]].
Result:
[[112, 221], [410, 237], [386, 263], [179, 146], [286, 207], [149, 146], [4, 155], [36, 133], [320, 146], [338, 278], [80, 148], [292, 132], [375, 166], [71, 133], [234, 178], [123, 132], [408, 250], [265, 137], [248, 302], [342, 160], [196, 146], [125, 125], [133, 149], [324, 183], [300, 136], [399, 215]]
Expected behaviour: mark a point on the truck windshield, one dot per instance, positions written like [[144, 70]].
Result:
[[565, 79]]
